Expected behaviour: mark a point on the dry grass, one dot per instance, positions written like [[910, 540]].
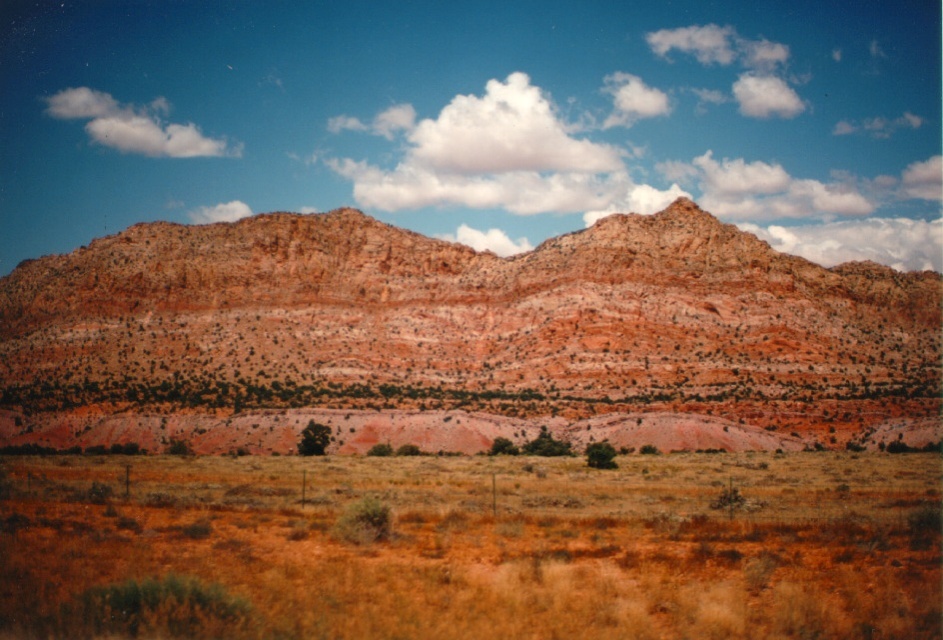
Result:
[[826, 544]]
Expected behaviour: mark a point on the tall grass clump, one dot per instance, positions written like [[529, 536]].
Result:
[[175, 607], [364, 522]]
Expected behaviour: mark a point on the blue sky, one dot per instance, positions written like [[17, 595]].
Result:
[[497, 124]]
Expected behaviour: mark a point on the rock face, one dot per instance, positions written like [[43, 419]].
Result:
[[674, 312]]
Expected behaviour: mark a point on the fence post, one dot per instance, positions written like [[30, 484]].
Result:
[[494, 494]]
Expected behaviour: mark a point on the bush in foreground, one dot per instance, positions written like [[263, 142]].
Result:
[[366, 521], [503, 447], [601, 455], [175, 606], [380, 450]]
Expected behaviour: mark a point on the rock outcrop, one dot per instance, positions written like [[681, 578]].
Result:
[[675, 312]]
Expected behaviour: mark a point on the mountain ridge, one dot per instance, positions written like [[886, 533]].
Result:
[[672, 312]]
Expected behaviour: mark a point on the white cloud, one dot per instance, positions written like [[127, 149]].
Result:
[[766, 96], [836, 54], [345, 123], [740, 190], [81, 102], [133, 129], [640, 198], [709, 43], [494, 240], [507, 149], [411, 186], [309, 210], [924, 180], [901, 243], [737, 177], [513, 127], [633, 100], [763, 54], [223, 212], [875, 50], [879, 126], [844, 128], [400, 117]]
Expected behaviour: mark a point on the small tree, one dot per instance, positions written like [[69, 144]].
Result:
[[381, 450], [503, 447], [409, 450], [601, 455], [545, 445], [314, 439]]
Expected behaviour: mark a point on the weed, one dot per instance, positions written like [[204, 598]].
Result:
[[364, 522], [175, 606]]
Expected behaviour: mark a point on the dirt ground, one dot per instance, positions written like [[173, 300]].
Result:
[[824, 544]]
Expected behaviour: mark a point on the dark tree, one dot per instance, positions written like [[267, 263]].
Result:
[[545, 445], [601, 455], [380, 450], [503, 447], [314, 439]]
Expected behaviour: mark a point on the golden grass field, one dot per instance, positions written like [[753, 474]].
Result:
[[825, 545]]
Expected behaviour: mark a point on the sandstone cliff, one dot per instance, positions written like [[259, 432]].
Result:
[[672, 312]]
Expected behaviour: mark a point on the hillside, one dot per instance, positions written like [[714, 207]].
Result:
[[671, 313]]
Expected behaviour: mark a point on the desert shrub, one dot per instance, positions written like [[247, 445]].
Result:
[[179, 448], [100, 493], [601, 455], [409, 450], [380, 450], [546, 445], [729, 499], [175, 606], [649, 450], [197, 530], [503, 447], [314, 439], [365, 521]]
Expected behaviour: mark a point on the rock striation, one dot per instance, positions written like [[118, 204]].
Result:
[[671, 313]]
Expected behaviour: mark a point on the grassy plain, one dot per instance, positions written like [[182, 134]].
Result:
[[823, 545]]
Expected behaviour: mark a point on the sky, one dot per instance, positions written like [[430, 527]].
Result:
[[814, 125]]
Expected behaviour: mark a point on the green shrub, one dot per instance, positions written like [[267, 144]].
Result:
[[649, 449], [409, 450], [366, 521], [100, 493], [545, 445], [601, 455], [175, 606], [381, 450], [314, 439], [179, 448], [503, 447]]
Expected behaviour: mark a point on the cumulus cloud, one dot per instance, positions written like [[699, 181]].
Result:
[[494, 240], [411, 186], [879, 126], [923, 180], [633, 100], [640, 198], [713, 44], [709, 43], [135, 129], [513, 127], [766, 96], [400, 117], [507, 149], [223, 212], [739, 190], [900, 243], [388, 123]]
